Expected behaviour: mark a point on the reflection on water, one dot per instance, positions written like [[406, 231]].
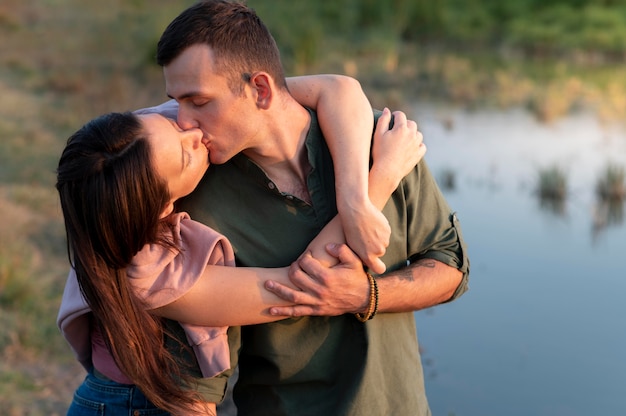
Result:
[[607, 213], [555, 206], [541, 330]]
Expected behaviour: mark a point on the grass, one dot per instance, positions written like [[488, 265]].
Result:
[[610, 188], [62, 62], [33, 356]]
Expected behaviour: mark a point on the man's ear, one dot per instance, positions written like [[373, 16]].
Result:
[[263, 85]]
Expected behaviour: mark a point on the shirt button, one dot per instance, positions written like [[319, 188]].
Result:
[[271, 185]]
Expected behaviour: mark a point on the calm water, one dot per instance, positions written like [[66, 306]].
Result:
[[542, 330]]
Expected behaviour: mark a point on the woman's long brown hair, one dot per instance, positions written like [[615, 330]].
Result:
[[112, 200]]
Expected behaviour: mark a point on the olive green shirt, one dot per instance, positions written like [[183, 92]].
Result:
[[212, 389], [326, 365]]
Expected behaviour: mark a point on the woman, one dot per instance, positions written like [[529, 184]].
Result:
[[137, 261]]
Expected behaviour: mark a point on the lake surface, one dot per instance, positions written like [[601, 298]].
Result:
[[542, 330]]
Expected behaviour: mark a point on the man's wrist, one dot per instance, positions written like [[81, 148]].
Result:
[[372, 301]]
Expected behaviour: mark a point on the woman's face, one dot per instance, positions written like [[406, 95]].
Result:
[[179, 156]]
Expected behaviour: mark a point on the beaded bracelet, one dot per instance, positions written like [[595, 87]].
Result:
[[372, 307]]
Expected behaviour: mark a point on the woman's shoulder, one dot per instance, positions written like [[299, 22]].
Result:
[[190, 234], [161, 273], [186, 236]]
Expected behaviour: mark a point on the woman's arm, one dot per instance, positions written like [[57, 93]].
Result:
[[229, 296], [346, 118], [395, 152]]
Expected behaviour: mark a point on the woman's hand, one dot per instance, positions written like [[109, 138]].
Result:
[[367, 232], [396, 151]]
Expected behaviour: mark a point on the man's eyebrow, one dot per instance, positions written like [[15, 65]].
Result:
[[185, 95]]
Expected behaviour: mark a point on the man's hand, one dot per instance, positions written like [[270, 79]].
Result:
[[326, 291]]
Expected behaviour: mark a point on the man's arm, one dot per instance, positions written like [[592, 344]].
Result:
[[426, 282], [417, 286], [328, 290], [420, 285]]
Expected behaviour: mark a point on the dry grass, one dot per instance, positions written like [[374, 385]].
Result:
[[62, 62], [35, 365]]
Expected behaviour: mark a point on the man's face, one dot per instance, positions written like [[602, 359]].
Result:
[[206, 101]]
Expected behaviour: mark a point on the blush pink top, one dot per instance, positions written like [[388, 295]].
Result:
[[160, 276]]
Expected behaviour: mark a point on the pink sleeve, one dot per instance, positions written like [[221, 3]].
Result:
[[161, 276], [73, 320]]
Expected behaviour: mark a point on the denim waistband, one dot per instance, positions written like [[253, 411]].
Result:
[[97, 374], [114, 392]]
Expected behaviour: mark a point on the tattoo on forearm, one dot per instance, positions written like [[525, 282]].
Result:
[[407, 272], [428, 263]]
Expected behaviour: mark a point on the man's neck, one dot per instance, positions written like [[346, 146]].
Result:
[[283, 156]]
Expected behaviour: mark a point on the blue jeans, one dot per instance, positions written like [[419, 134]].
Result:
[[98, 397]]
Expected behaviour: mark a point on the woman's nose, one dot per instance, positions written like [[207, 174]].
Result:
[[194, 137]]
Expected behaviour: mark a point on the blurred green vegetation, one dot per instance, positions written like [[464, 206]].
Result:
[[539, 29], [63, 62], [552, 57]]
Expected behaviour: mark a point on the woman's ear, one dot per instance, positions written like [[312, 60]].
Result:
[[263, 85]]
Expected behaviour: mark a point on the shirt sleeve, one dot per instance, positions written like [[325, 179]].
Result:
[[434, 230], [73, 320]]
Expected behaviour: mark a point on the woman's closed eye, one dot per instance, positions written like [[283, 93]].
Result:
[[186, 157]]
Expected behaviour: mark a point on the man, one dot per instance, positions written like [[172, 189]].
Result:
[[270, 190]]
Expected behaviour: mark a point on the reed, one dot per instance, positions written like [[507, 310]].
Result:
[[552, 183], [447, 179], [611, 185]]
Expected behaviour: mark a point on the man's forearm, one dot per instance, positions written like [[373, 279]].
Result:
[[420, 285]]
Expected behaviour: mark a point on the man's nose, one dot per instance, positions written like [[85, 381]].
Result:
[[185, 120]]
